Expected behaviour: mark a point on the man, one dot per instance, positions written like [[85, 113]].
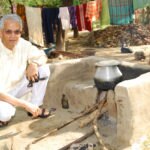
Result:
[[21, 65]]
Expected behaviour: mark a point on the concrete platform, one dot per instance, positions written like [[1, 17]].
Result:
[[74, 79]]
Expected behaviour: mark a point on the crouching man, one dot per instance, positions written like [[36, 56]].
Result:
[[21, 66]]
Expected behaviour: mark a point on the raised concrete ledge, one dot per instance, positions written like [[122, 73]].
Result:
[[82, 69], [133, 101], [80, 94], [70, 77]]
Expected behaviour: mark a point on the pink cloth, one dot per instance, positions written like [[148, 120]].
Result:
[[83, 22]]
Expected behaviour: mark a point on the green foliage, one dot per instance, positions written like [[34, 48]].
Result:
[[48, 3], [5, 4], [4, 7]]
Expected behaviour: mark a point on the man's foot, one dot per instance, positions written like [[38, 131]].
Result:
[[3, 124], [44, 113]]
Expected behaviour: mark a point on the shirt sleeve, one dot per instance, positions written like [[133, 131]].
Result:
[[36, 55]]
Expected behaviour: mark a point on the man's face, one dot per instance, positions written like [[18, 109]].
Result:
[[10, 34]]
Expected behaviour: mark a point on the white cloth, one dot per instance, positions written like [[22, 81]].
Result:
[[34, 21], [38, 92], [13, 63], [65, 17]]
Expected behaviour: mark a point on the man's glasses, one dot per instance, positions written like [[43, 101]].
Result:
[[10, 32]]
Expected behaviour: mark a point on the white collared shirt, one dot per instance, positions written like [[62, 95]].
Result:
[[13, 63]]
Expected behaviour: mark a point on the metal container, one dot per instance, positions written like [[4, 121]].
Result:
[[107, 74]]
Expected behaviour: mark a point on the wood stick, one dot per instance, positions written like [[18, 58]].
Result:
[[95, 126], [65, 124], [91, 117]]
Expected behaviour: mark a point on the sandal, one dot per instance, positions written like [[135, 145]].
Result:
[[45, 113], [3, 124]]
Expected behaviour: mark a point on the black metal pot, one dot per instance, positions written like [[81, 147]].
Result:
[[107, 74]]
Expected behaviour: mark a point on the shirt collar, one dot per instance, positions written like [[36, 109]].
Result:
[[6, 50]]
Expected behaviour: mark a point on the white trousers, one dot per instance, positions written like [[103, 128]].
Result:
[[37, 93]]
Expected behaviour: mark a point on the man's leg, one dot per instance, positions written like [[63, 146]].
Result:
[[6, 111], [38, 91], [39, 88]]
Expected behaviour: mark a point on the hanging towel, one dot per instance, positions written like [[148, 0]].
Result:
[[21, 12], [49, 19], [83, 22], [64, 17], [105, 17], [35, 26], [138, 16], [121, 11], [93, 10], [73, 18], [140, 4]]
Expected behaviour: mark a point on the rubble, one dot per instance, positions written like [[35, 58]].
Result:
[[115, 36]]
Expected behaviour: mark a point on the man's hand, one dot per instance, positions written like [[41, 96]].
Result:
[[34, 110], [32, 72]]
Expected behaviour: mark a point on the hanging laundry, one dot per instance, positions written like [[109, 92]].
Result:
[[64, 17], [142, 15], [73, 18], [93, 10], [34, 26], [121, 11], [83, 22], [50, 20], [21, 12], [105, 17], [140, 4], [138, 16], [76, 2], [15, 8]]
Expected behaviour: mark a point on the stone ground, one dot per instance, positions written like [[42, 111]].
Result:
[[24, 133]]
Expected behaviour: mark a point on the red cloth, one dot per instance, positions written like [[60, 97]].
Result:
[[83, 22]]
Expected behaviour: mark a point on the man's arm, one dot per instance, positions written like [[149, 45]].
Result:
[[20, 103], [32, 71]]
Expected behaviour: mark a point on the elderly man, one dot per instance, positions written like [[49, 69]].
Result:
[[22, 70]]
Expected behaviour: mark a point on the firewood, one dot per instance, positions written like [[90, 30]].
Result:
[[91, 116], [95, 126], [61, 126]]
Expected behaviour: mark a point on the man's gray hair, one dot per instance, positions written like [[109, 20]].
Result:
[[13, 17]]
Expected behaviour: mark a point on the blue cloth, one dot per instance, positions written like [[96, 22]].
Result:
[[121, 12], [73, 18], [49, 21]]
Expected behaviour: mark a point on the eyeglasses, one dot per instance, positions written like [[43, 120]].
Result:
[[9, 32]]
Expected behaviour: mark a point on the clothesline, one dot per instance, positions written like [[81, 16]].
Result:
[[84, 16]]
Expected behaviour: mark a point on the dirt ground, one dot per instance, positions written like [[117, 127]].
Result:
[[79, 46], [23, 133]]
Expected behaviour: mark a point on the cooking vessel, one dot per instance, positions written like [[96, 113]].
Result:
[[107, 74]]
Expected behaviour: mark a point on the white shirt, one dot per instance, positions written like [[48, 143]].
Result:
[[13, 63]]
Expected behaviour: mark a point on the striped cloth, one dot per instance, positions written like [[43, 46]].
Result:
[[121, 11], [93, 10], [82, 22]]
